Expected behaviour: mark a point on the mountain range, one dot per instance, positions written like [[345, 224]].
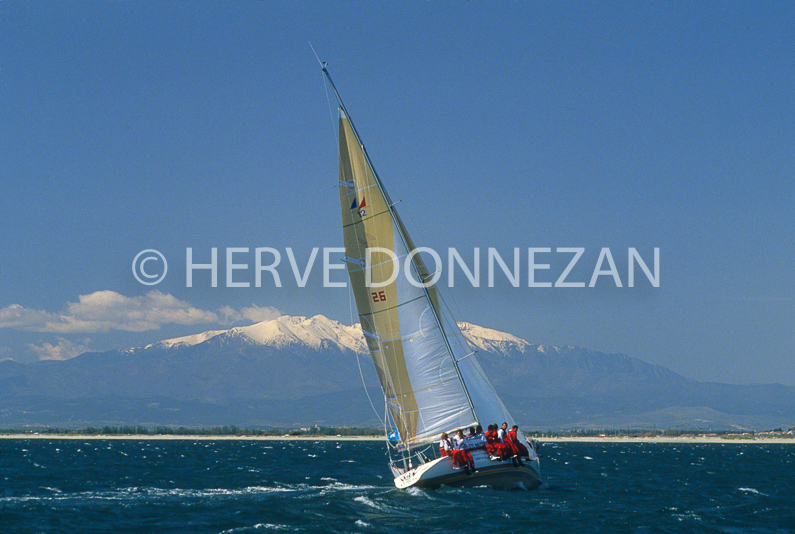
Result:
[[296, 371]]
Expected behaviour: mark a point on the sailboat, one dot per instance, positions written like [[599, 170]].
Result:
[[430, 376]]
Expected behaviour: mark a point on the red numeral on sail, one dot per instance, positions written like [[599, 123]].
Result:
[[379, 296]]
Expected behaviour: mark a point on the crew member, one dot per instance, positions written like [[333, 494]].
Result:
[[466, 456], [512, 435]]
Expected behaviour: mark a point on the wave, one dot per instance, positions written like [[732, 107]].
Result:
[[135, 493], [752, 490]]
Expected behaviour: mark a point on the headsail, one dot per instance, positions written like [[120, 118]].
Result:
[[431, 379]]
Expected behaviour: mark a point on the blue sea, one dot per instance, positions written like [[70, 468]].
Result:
[[241, 486]]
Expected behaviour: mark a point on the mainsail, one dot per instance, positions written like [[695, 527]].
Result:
[[431, 379]]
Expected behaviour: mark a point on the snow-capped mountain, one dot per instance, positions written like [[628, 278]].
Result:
[[320, 331], [185, 341], [488, 340], [282, 332], [298, 371], [316, 332]]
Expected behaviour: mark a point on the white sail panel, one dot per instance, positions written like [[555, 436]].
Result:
[[488, 406], [437, 387]]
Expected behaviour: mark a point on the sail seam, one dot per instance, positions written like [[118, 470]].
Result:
[[354, 191]]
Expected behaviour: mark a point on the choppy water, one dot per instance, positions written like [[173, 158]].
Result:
[[52, 485]]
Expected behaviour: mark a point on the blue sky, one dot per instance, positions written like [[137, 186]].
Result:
[[167, 125]]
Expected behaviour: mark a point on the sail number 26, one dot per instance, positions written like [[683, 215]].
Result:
[[378, 296]]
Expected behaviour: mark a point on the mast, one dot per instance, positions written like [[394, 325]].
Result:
[[401, 230]]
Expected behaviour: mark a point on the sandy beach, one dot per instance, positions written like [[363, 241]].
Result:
[[664, 439], [191, 437]]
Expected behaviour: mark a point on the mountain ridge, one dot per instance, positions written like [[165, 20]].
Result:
[[278, 373]]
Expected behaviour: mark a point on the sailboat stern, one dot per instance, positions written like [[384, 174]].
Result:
[[501, 475]]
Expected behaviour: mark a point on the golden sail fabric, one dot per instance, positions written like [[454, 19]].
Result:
[[431, 381]]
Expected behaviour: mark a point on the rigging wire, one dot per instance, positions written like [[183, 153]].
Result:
[[328, 97], [361, 373]]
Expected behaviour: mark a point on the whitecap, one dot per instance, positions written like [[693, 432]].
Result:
[[258, 526], [687, 515], [419, 492], [268, 489], [341, 486], [752, 490], [365, 500], [360, 523]]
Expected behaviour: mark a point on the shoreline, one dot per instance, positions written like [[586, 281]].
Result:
[[666, 439], [584, 439], [192, 437]]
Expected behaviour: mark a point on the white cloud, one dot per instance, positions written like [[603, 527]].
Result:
[[252, 313], [103, 311], [63, 350], [20, 318]]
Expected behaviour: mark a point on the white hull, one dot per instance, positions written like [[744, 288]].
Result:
[[497, 474]]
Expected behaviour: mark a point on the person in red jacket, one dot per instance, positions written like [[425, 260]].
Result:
[[503, 436], [495, 448], [519, 445]]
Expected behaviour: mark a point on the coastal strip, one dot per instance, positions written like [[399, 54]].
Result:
[[191, 437]]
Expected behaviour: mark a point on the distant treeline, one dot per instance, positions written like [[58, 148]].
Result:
[[226, 430], [231, 430]]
